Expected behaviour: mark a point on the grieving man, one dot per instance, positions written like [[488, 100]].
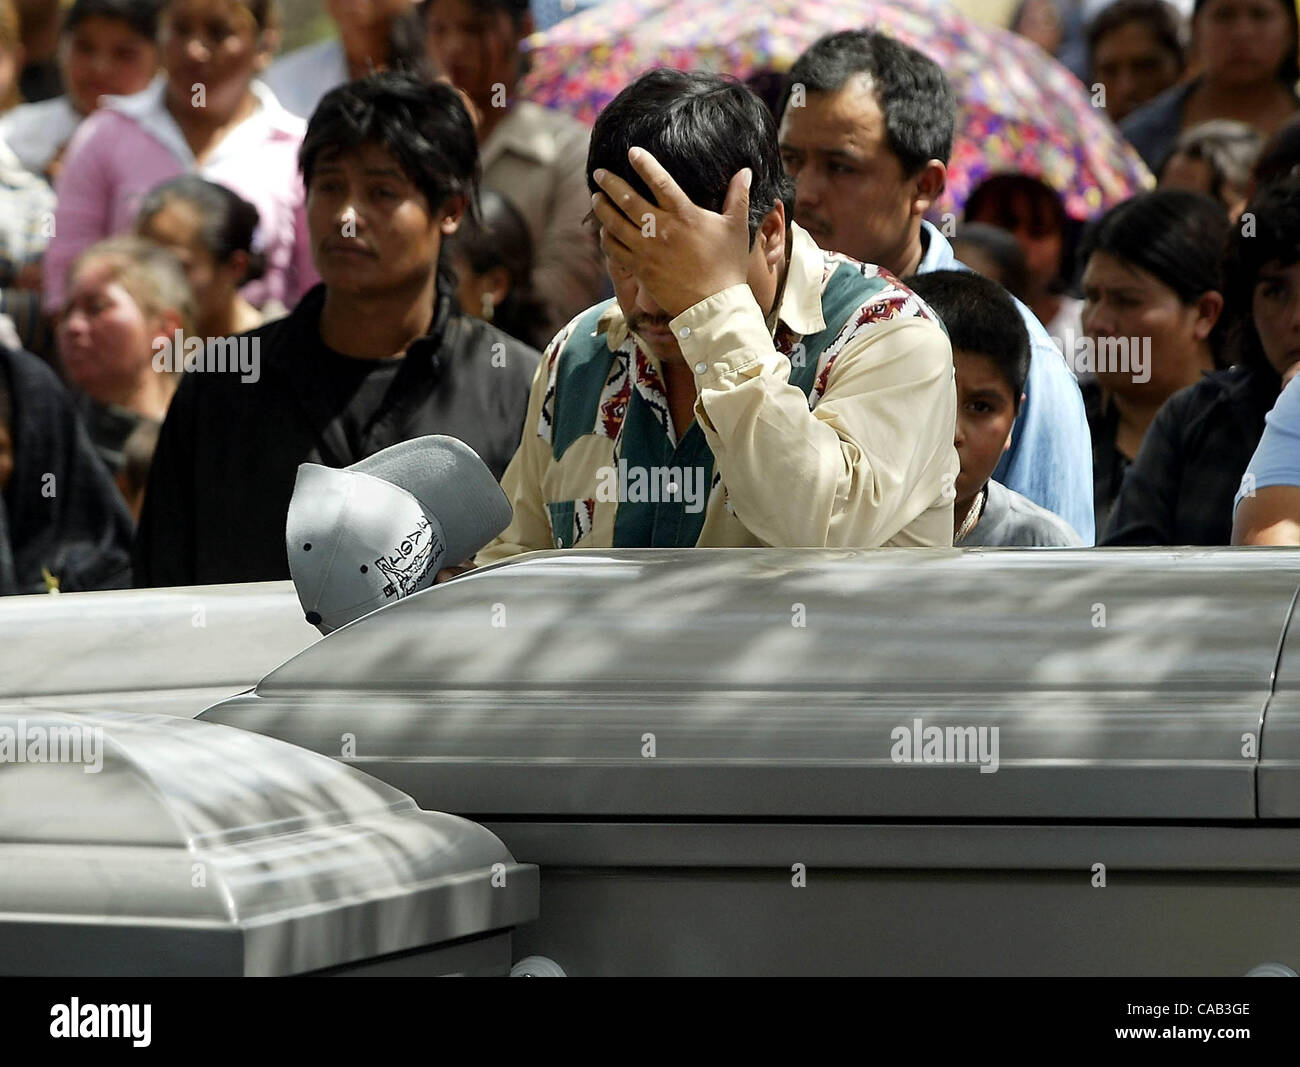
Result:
[[866, 131], [743, 388], [376, 354]]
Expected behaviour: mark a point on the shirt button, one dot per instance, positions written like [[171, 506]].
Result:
[[700, 368], [684, 332]]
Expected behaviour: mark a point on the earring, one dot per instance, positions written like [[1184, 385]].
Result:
[[489, 306]]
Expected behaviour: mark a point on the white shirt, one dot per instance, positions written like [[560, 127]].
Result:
[[37, 132]]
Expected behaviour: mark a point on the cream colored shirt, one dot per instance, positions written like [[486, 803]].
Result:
[[867, 460], [537, 159]]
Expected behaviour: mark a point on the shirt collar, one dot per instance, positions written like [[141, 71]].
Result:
[[801, 302], [149, 108], [528, 130], [938, 253]]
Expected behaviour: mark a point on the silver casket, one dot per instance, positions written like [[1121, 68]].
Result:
[[137, 844], [903, 762]]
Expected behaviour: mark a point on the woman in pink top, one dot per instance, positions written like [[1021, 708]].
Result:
[[205, 115]]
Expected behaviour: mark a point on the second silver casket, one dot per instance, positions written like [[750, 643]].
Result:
[[153, 845]]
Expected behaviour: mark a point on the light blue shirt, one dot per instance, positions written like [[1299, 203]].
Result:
[[300, 78], [1050, 458], [1277, 456], [546, 13]]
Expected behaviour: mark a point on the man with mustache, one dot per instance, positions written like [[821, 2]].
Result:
[[376, 354], [866, 128], [810, 396]]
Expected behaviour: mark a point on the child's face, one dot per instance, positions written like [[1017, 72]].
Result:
[[985, 412], [102, 57]]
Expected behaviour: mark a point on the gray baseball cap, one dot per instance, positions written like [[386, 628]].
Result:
[[369, 534]]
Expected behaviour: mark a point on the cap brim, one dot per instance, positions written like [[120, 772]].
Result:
[[453, 486]]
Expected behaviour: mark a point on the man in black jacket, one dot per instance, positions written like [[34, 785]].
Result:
[[376, 354]]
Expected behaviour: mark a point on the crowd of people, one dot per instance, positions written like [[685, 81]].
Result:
[[221, 262]]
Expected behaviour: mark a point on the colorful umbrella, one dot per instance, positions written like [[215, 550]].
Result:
[[1018, 109]]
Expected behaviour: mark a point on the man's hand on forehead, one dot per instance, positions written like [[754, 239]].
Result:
[[680, 252]]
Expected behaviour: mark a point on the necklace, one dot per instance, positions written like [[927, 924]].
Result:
[[972, 516]]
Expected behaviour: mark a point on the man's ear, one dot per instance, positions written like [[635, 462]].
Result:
[[928, 186], [771, 234], [453, 211]]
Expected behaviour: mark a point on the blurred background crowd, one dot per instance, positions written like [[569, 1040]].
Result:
[[1124, 168]]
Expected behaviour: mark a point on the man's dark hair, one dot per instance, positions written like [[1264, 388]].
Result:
[[1269, 233], [1161, 20], [140, 16], [1175, 235], [702, 128], [911, 90], [425, 127], [982, 319]]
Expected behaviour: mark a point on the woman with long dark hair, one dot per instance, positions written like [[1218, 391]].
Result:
[[1152, 287], [1180, 490]]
